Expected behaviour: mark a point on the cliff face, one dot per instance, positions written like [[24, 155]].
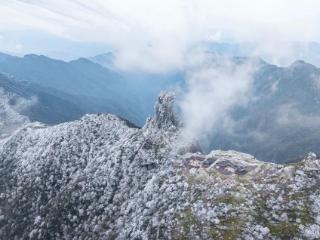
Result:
[[102, 178]]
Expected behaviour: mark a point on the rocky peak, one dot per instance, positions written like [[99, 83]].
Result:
[[165, 117]]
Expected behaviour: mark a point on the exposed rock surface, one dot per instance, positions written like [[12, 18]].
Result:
[[102, 178], [238, 197], [165, 115]]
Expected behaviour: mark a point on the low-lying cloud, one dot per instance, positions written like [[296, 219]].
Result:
[[11, 107], [212, 90], [289, 115]]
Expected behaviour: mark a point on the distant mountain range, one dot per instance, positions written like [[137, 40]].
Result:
[[104, 59], [280, 122], [90, 86]]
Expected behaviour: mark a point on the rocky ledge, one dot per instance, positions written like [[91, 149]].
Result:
[[234, 196]]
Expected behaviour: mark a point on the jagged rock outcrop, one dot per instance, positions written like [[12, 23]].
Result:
[[165, 116], [102, 178]]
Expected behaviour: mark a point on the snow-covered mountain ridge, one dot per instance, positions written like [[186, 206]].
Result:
[[103, 178]]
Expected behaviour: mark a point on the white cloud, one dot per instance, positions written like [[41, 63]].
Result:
[[11, 107], [18, 46], [290, 116], [212, 90]]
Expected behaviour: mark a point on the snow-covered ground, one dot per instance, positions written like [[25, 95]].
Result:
[[102, 178]]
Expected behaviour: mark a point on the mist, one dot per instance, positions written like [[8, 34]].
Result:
[[212, 90], [11, 108]]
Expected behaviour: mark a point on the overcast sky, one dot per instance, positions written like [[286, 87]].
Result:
[[162, 31]]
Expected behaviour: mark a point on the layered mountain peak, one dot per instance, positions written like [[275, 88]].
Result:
[[300, 65]]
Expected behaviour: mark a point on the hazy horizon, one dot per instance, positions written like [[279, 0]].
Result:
[[165, 33]]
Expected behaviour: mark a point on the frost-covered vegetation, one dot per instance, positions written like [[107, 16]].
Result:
[[103, 178]]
